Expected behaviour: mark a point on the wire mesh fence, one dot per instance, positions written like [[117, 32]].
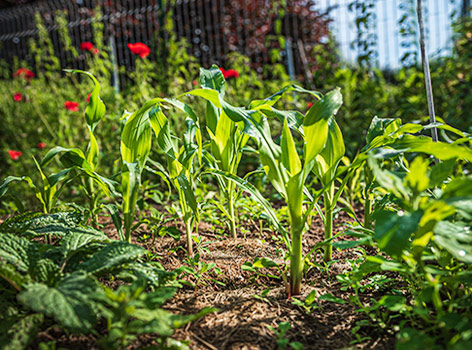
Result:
[[382, 31]]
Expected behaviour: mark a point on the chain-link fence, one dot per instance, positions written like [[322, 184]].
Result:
[[374, 32]]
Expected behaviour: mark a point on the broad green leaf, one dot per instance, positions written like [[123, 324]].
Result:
[[68, 303], [18, 251], [316, 123], [330, 297], [441, 171], [213, 79], [382, 126], [20, 332], [394, 229], [417, 178], [75, 241], [456, 238], [15, 278], [112, 255]]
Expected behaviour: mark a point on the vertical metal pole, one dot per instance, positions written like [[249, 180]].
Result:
[[427, 75], [290, 64], [116, 78]]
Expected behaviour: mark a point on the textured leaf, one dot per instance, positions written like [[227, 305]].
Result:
[[68, 303], [111, 256], [17, 334], [18, 251], [38, 222], [74, 241]]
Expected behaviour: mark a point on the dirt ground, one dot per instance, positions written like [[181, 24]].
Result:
[[244, 314]]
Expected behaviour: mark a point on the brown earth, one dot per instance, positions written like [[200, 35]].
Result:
[[244, 315]]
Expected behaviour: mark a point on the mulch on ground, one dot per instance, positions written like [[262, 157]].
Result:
[[244, 315]]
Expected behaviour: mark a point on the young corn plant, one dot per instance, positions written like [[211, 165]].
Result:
[[227, 141], [136, 140], [282, 164], [181, 171], [287, 171]]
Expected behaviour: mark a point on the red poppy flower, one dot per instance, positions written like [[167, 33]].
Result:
[[71, 106], [41, 145], [230, 73], [14, 155], [140, 49], [86, 46], [18, 96], [194, 82], [310, 104], [88, 97], [24, 73], [95, 51]]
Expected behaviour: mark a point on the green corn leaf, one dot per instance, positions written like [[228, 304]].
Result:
[[130, 181], [75, 158], [68, 303], [116, 218], [424, 144], [136, 138], [189, 194], [328, 159], [271, 100], [9, 179], [246, 186], [95, 109], [111, 256], [316, 123], [290, 159]]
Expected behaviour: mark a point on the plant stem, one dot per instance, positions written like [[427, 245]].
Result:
[[188, 232], [328, 225], [128, 217], [367, 212], [232, 220], [296, 257]]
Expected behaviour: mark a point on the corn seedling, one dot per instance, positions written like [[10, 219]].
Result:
[[226, 143], [135, 149], [181, 170]]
